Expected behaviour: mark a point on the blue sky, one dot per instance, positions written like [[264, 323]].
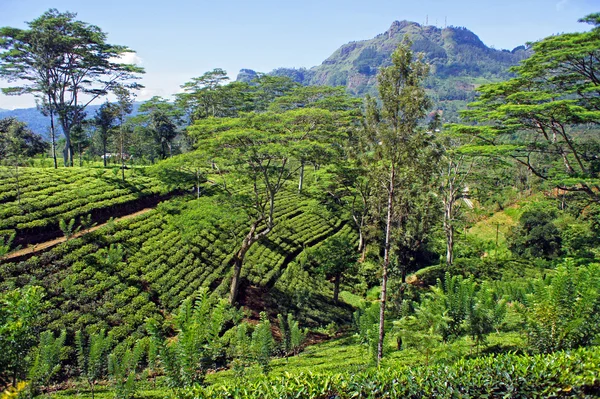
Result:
[[177, 40]]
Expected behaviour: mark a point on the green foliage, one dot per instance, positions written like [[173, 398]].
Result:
[[536, 236], [486, 314], [335, 257], [48, 195], [199, 323], [455, 308], [297, 335], [366, 322], [496, 377], [563, 311], [47, 359], [6, 243], [542, 112], [19, 316], [263, 343], [58, 59], [240, 345], [68, 228], [18, 142], [92, 356], [122, 368], [292, 336]]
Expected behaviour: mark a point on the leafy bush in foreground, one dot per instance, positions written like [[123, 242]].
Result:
[[560, 375]]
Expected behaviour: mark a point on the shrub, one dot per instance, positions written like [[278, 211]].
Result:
[[535, 236], [493, 377], [563, 311]]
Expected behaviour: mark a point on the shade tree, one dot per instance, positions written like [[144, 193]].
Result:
[[539, 118]]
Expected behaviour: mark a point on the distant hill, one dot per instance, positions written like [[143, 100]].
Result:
[[40, 124], [459, 61]]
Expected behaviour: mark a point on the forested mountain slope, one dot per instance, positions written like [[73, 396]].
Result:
[[459, 61]]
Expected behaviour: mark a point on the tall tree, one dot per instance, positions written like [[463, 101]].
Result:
[[124, 107], [539, 118], [394, 132], [160, 119], [66, 63], [104, 121], [202, 97]]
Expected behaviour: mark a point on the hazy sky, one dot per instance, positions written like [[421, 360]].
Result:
[[176, 40]]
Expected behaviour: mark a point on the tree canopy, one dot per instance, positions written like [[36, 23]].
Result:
[[66, 64], [540, 118]]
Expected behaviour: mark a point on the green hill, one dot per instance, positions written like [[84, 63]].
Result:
[[34, 200], [117, 276]]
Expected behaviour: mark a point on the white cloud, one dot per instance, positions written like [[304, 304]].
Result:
[[147, 93], [128, 58], [561, 5]]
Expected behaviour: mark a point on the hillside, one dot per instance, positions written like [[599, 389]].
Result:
[[117, 276], [32, 206], [459, 61]]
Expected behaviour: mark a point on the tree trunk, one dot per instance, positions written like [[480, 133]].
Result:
[[53, 136], [104, 149], [336, 287], [386, 262], [197, 183], [122, 148], [238, 261], [361, 240], [301, 181], [67, 150], [449, 231]]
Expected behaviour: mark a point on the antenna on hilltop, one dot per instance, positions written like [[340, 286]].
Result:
[[426, 19], [445, 22]]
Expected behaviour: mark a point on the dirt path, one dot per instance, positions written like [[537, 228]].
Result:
[[33, 249]]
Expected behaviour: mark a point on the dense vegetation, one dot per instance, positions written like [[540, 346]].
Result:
[[437, 261]]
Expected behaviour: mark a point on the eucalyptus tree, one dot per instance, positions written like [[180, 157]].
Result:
[[456, 172], [544, 118], [401, 153], [65, 63]]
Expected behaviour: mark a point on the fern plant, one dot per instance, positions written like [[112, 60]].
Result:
[[68, 228], [46, 360], [92, 356], [563, 312], [199, 323], [6, 243], [297, 335], [263, 343], [122, 368]]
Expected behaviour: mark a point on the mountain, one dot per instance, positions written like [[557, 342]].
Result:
[[40, 124], [34, 119], [459, 61]]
